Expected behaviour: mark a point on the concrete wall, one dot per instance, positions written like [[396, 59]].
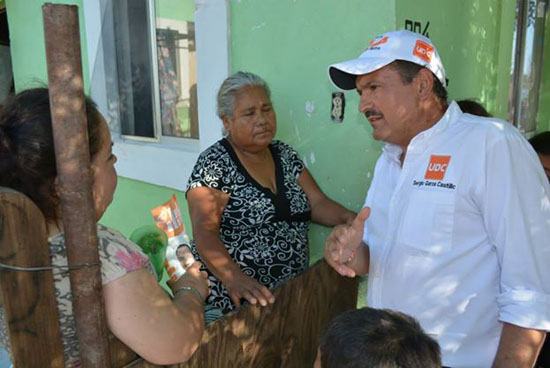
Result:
[[543, 118], [27, 42], [290, 43]]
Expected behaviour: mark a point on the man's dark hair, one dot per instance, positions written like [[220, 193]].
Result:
[[377, 338], [408, 70], [541, 143], [27, 156], [473, 107]]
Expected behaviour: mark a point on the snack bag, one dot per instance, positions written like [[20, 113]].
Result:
[[168, 218]]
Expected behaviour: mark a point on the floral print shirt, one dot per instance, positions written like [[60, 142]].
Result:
[[118, 257]]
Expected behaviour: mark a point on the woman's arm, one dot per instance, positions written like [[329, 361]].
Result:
[[324, 210], [142, 315], [205, 208]]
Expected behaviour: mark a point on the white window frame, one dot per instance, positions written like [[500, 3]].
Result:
[[167, 162]]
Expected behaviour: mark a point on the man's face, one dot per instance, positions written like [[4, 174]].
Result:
[[545, 161], [390, 105]]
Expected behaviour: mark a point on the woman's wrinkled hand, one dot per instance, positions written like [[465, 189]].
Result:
[[342, 244], [243, 286]]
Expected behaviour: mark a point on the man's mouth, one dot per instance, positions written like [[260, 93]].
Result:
[[373, 116]]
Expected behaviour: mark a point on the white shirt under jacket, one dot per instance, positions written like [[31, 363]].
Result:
[[469, 247]]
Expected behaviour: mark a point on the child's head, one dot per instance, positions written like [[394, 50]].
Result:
[[27, 156], [377, 338]]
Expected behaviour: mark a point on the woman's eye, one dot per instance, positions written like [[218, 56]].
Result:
[[267, 109]]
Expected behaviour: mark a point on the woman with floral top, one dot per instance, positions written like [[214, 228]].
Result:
[[138, 311], [251, 201]]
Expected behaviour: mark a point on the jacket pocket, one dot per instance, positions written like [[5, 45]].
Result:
[[428, 221]]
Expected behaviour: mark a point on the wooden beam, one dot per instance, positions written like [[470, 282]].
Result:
[[70, 133], [28, 296]]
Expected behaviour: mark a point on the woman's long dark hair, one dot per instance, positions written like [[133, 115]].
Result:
[[27, 157]]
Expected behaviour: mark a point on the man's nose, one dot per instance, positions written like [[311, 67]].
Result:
[[365, 102]]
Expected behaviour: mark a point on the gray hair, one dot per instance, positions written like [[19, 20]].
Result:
[[232, 84]]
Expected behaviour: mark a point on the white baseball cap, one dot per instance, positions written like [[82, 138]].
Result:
[[384, 49]]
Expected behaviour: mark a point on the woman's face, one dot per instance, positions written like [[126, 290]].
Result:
[[103, 172], [253, 124]]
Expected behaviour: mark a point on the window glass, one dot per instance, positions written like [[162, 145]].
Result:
[[177, 72], [156, 68]]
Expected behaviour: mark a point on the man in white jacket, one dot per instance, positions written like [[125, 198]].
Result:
[[459, 229]]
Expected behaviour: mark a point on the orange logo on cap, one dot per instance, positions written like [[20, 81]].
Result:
[[437, 167], [423, 50], [378, 43]]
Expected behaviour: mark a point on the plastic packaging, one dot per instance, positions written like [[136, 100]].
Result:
[[153, 242], [168, 218]]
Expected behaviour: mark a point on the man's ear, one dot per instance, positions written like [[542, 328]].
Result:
[[424, 83]]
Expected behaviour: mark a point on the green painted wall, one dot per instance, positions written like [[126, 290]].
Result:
[[27, 42], [290, 43], [474, 39], [543, 118], [175, 9], [132, 204]]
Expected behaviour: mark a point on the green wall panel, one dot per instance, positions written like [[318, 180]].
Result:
[[27, 42], [543, 118], [474, 39], [133, 202], [290, 43], [175, 9]]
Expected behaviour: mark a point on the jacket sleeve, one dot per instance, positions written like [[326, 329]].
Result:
[[516, 213]]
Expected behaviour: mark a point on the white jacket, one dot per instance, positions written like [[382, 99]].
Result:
[[459, 237]]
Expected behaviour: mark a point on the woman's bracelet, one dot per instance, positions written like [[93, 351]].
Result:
[[192, 290]]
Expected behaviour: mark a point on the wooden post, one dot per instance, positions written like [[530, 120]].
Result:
[[29, 296], [70, 135]]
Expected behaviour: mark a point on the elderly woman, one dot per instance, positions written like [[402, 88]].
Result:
[[251, 201]]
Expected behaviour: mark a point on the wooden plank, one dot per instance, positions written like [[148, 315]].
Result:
[[285, 334], [70, 136], [29, 297]]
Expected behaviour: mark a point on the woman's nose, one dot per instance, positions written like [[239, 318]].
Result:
[[262, 117]]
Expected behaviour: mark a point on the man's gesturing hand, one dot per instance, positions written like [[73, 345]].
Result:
[[342, 246]]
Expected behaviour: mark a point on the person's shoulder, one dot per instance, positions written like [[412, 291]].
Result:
[[490, 124], [282, 146], [119, 255], [109, 237], [113, 236], [488, 127], [214, 150]]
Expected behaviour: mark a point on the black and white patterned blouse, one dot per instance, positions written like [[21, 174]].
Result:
[[264, 233]]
